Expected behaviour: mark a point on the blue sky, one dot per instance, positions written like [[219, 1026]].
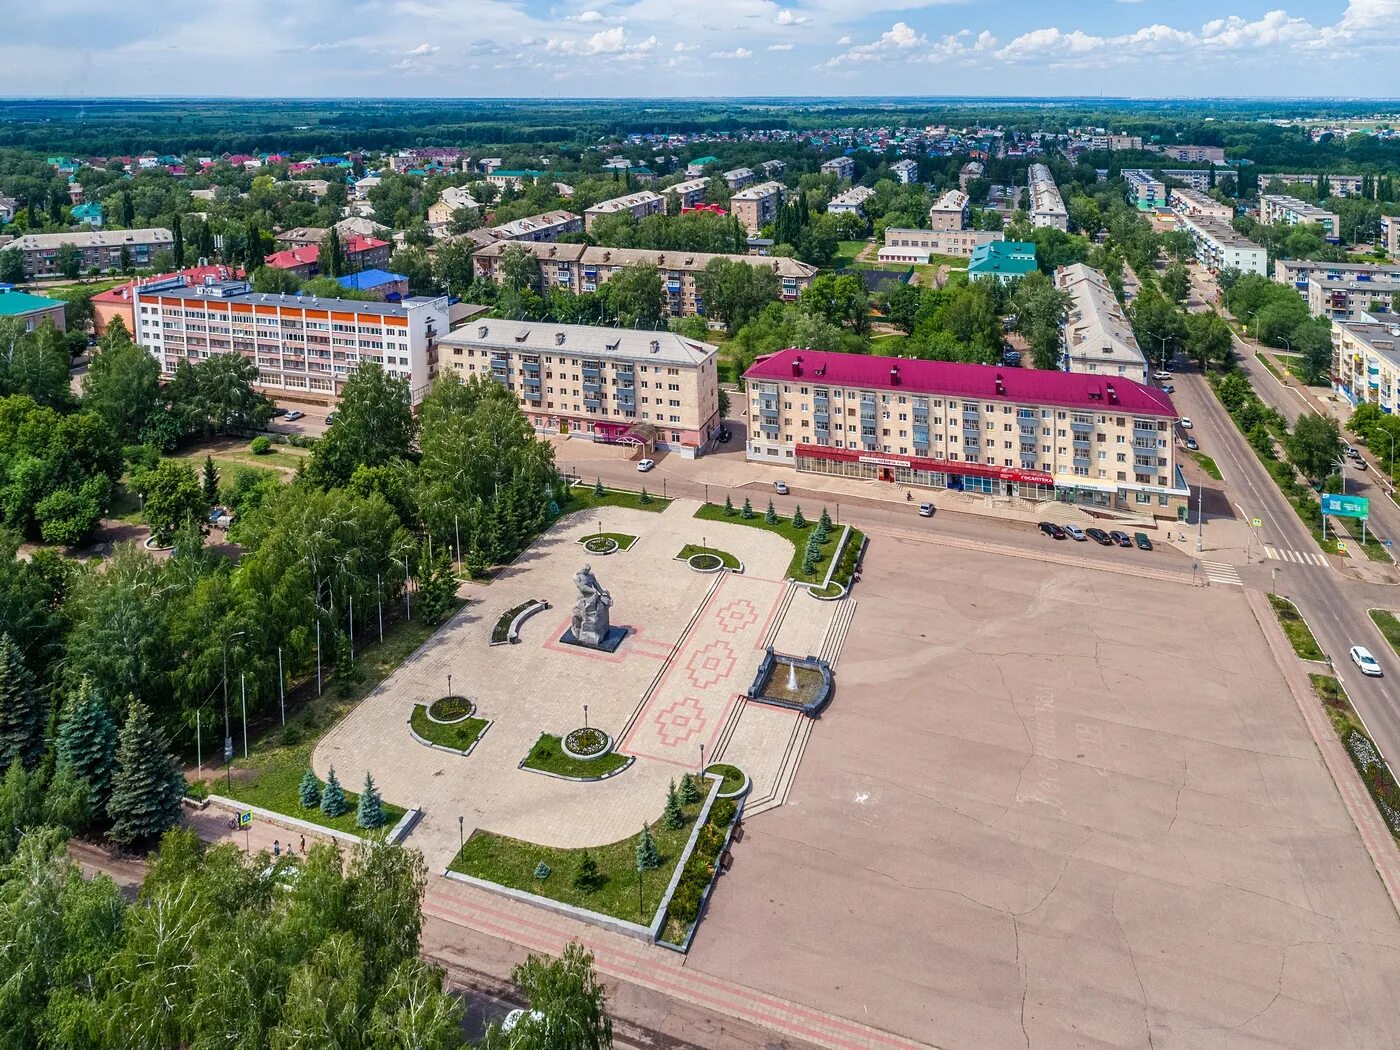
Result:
[[640, 48]]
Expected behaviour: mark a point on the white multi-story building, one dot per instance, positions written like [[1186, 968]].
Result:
[[1275, 209], [738, 178], [658, 390], [1219, 246], [1366, 362], [1047, 206], [1390, 234], [906, 171], [915, 246], [1298, 272], [841, 167], [303, 346], [1192, 202], [546, 227], [638, 205], [691, 192], [849, 202], [1099, 338], [973, 169], [1352, 297], [1146, 192]]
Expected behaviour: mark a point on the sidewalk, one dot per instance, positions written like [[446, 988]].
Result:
[[1376, 837]]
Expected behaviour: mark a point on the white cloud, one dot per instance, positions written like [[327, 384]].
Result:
[[685, 47], [900, 37], [787, 17], [588, 16], [843, 41], [614, 42], [738, 52], [780, 47]]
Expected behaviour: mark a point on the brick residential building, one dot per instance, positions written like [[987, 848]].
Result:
[[638, 205], [31, 310], [906, 171], [1192, 202], [757, 206], [973, 169], [841, 167], [1098, 336], [1090, 440], [1280, 209], [1390, 234], [97, 249], [738, 178], [656, 390], [1353, 297], [691, 192], [1047, 206], [915, 246], [581, 268], [949, 212], [546, 227]]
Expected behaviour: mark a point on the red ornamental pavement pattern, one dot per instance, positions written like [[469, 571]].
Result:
[[697, 693], [653, 968]]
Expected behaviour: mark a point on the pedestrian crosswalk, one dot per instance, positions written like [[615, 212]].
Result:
[[1297, 557], [1219, 572]]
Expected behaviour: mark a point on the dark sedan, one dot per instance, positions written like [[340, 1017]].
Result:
[[1052, 530], [1099, 536], [1121, 538]]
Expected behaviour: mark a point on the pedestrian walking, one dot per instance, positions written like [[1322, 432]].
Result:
[[303, 845], [276, 848]]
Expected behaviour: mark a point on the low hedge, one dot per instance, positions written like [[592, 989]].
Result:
[[700, 868]]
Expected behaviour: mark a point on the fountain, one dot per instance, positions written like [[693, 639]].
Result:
[[807, 686]]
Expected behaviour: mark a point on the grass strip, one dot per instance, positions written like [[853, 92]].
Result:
[[1207, 464], [514, 862], [733, 776], [582, 497], [691, 549], [459, 735], [1389, 626], [1296, 628], [798, 538], [548, 756], [1365, 756]]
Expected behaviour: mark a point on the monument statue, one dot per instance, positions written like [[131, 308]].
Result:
[[591, 623]]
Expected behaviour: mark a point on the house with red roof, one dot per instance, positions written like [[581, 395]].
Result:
[[361, 253], [1105, 443]]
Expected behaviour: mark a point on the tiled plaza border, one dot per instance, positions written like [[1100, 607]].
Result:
[[650, 933], [443, 747], [396, 834]]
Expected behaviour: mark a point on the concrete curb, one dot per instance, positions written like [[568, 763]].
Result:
[[443, 747]]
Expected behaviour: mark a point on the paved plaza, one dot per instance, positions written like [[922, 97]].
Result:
[[675, 684], [1058, 807]]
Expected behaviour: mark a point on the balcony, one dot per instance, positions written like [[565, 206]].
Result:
[[1081, 426], [592, 386], [591, 372], [592, 404], [1081, 444], [1143, 427]]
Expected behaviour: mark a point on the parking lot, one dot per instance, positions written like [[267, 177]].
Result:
[[1057, 807]]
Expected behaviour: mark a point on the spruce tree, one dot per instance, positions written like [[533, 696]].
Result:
[[747, 512], [771, 515], [598, 489], [728, 503], [437, 588], [644, 497], [333, 802], [370, 812], [147, 785], [22, 714], [586, 875], [690, 790], [798, 521], [825, 520], [673, 816], [210, 482], [648, 856], [87, 743], [310, 791]]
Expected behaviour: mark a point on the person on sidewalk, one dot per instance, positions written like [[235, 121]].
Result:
[[276, 848]]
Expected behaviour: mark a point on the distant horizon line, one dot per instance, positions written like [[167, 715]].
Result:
[[1368, 99]]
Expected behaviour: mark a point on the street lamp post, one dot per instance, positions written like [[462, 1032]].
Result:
[[228, 732], [461, 832], [1200, 517]]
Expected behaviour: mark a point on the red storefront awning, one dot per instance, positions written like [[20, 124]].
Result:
[[887, 459]]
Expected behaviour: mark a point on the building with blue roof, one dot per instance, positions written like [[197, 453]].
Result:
[[383, 285], [89, 213], [1002, 261]]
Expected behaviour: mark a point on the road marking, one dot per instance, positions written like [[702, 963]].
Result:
[[1297, 557], [1219, 572]]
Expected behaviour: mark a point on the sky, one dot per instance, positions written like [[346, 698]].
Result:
[[653, 48]]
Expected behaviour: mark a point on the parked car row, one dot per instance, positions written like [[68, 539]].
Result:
[[1106, 539]]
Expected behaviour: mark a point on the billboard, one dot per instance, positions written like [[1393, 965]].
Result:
[[1346, 506]]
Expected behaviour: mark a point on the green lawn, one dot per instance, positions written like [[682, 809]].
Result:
[[1389, 625], [512, 862], [270, 776], [70, 292], [1296, 628], [846, 252], [459, 736], [582, 497], [733, 776], [288, 457], [624, 542], [797, 537], [1207, 464], [548, 756], [691, 549]]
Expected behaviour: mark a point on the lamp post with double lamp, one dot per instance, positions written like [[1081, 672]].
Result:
[[228, 731]]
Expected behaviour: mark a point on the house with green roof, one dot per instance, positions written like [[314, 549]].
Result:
[[1003, 261], [90, 213], [31, 310]]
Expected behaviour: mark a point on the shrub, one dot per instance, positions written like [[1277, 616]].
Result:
[[645, 497], [261, 445], [543, 871]]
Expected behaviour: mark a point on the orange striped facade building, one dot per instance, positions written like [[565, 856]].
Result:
[[304, 347]]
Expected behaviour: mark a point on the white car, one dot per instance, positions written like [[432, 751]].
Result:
[[925, 510], [780, 487], [1161, 376], [293, 416], [513, 1019], [1361, 656], [1075, 532], [1185, 423], [645, 465]]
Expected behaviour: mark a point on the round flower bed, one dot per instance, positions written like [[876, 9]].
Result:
[[449, 710], [736, 781], [705, 562], [584, 744], [152, 544], [600, 545]]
